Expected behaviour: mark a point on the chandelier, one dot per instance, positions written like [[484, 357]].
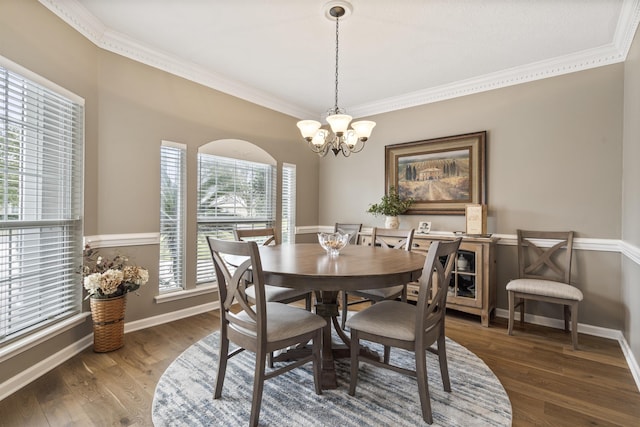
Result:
[[342, 140]]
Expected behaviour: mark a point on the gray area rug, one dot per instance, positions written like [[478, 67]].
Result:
[[184, 394]]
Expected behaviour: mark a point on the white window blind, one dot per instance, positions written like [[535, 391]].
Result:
[[41, 155], [231, 193], [288, 203], [173, 171]]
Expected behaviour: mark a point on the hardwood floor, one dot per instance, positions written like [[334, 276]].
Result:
[[548, 383]]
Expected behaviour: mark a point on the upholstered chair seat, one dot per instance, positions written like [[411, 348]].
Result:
[[546, 288]]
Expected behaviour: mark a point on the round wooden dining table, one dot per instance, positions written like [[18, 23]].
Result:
[[308, 266]]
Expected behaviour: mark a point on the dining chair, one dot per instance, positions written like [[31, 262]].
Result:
[[268, 236], [259, 326], [387, 238], [411, 327], [352, 229], [544, 274]]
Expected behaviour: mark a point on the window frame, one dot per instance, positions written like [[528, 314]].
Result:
[[173, 155], [43, 237]]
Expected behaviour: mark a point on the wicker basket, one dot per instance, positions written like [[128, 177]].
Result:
[[108, 323]]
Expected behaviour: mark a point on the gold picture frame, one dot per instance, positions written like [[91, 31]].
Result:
[[442, 175], [476, 219]]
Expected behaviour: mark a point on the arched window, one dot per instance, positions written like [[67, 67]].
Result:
[[236, 188]]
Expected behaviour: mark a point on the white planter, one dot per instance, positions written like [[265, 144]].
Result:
[[391, 222]]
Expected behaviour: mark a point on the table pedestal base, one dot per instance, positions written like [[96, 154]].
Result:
[[327, 307]]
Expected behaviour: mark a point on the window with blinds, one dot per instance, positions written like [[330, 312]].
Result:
[[41, 165], [231, 193], [173, 170], [288, 203]]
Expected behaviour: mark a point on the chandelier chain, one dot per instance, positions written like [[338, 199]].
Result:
[[337, 38], [343, 140]]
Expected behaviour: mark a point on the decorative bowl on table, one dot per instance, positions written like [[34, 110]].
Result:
[[333, 242]]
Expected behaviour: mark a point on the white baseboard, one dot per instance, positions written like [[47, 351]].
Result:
[[597, 331], [631, 360], [169, 317], [34, 372]]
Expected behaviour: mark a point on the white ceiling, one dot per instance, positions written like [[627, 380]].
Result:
[[393, 54]]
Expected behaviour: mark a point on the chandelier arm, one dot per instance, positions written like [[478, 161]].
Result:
[[344, 147], [321, 150]]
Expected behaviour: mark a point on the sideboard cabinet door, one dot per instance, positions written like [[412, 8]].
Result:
[[472, 287]]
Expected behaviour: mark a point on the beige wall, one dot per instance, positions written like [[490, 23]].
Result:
[[554, 161], [130, 109], [631, 196]]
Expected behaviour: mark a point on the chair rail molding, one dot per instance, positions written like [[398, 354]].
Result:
[[120, 240], [630, 251], [580, 243]]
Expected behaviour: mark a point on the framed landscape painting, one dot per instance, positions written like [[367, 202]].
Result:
[[443, 175]]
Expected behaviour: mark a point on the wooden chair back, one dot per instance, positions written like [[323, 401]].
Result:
[[548, 263], [437, 269], [351, 229], [392, 238], [263, 236], [231, 287]]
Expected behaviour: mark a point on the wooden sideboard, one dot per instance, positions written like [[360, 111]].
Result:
[[472, 288]]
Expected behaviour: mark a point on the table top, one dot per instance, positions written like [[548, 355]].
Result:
[[308, 266]]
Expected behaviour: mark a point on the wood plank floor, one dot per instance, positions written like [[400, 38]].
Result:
[[548, 383]]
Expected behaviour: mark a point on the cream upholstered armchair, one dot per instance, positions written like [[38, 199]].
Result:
[[414, 328], [544, 274]]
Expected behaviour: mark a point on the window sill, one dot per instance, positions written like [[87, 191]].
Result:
[[203, 289]]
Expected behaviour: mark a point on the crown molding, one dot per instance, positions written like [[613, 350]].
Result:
[[74, 14], [78, 17], [527, 73]]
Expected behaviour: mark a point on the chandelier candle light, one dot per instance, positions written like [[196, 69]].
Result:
[[343, 139]]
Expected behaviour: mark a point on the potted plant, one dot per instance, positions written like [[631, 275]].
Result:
[[391, 205]]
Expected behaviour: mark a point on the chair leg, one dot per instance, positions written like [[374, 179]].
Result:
[[387, 354], [574, 325], [442, 359], [567, 315], [423, 384], [317, 361], [258, 385], [222, 364], [270, 360], [355, 350], [521, 311], [344, 309], [511, 311], [307, 302]]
